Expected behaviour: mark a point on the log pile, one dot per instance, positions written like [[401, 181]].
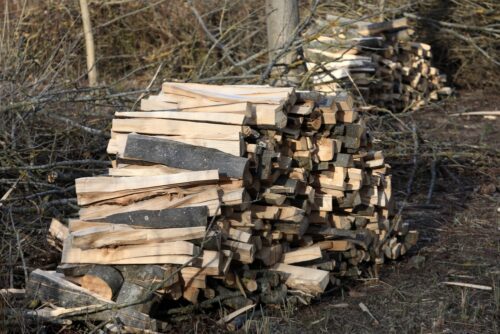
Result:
[[378, 61], [230, 194]]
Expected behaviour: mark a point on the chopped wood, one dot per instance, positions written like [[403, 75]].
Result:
[[105, 281], [309, 280], [97, 237], [302, 255], [196, 207], [113, 184], [177, 128], [204, 117], [180, 251], [470, 285], [185, 156]]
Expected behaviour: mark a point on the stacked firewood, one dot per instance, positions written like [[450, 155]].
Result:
[[378, 61], [231, 194]]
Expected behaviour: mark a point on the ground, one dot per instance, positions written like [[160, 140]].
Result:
[[459, 236]]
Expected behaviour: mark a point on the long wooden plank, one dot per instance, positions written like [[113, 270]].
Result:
[[257, 113], [143, 171], [95, 189], [205, 105], [239, 89], [177, 128], [130, 196], [156, 104], [116, 144], [231, 94], [124, 197], [209, 117], [98, 237], [167, 218], [127, 253], [112, 184], [157, 203], [180, 155]]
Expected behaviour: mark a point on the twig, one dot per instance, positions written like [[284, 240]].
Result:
[[49, 97], [409, 185], [477, 113], [216, 42], [137, 11], [44, 206], [58, 164], [20, 248], [365, 309], [234, 314], [18, 293], [471, 42], [149, 85], [452, 25], [204, 304], [77, 125], [40, 194], [433, 181], [469, 285]]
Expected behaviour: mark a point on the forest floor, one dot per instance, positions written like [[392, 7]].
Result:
[[459, 240]]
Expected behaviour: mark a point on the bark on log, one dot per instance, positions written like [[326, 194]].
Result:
[[185, 156], [169, 218], [105, 281]]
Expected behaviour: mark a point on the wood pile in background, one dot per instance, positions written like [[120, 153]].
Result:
[[232, 194], [379, 61]]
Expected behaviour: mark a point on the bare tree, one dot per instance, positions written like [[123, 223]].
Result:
[[282, 22], [89, 43]]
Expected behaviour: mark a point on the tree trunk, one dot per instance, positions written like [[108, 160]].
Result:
[[282, 21], [89, 43]]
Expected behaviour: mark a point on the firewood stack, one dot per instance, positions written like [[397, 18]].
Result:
[[380, 61], [237, 194]]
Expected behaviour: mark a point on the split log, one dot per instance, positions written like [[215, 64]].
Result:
[[105, 281], [109, 235], [179, 155], [309, 280], [168, 218]]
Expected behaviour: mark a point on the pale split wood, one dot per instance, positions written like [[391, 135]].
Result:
[[177, 128], [118, 141], [208, 117], [179, 251], [302, 255], [157, 203], [104, 237], [309, 280], [112, 184]]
